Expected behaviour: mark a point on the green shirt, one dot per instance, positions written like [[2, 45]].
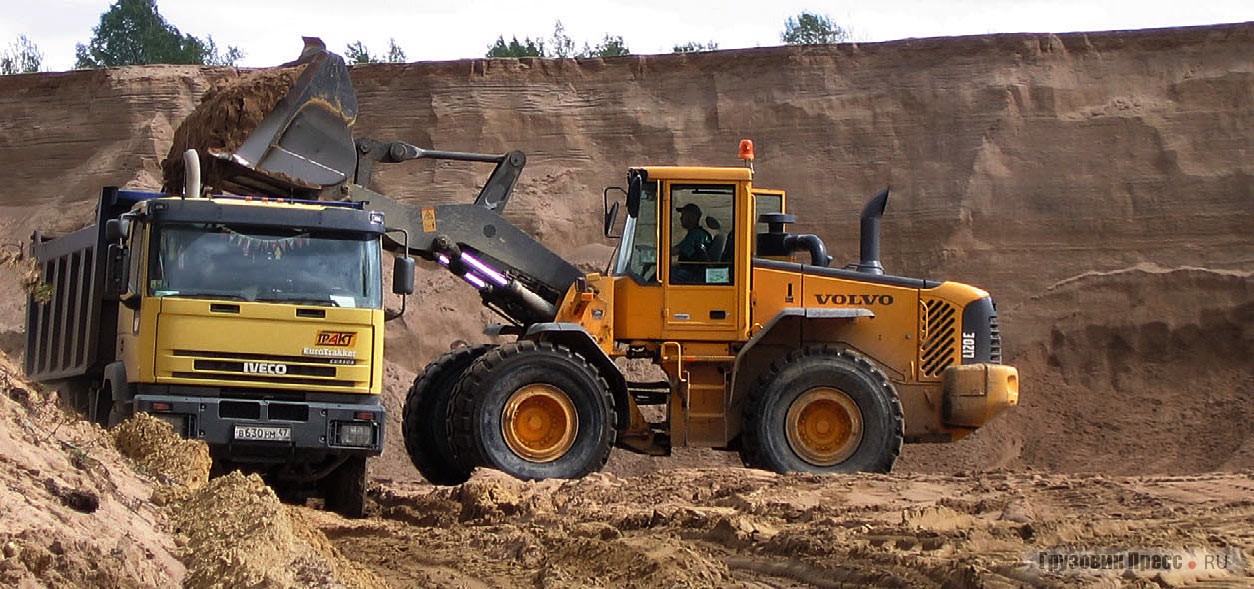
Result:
[[694, 246]]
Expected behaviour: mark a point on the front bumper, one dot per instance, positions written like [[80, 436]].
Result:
[[295, 428], [976, 393]]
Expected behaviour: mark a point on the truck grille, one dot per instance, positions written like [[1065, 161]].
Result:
[[938, 347], [266, 357], [263, 368]]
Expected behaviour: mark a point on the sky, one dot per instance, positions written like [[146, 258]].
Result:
[[269, 31]]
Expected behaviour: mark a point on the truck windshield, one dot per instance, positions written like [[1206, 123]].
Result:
[[273, 264]]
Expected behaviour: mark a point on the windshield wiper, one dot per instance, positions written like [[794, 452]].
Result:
[[205, 295], [300, 300]]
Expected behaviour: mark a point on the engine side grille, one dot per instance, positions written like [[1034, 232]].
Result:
[[939, 347], [994, 341]]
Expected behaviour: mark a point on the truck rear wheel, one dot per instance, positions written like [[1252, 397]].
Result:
[[534, 411], [344, 489], [823, 410], [424, 422]]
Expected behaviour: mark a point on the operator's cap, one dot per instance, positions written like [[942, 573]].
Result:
[[690, 208]]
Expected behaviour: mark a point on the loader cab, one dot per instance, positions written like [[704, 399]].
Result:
[[684, 258]]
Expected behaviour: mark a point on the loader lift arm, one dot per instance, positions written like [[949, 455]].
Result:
[[514, 274], [495, 193]]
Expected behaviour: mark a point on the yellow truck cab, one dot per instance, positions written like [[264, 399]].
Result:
[[255, 325]]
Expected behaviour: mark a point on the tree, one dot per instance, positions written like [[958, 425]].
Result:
[[526, 48], [395, 53], [212, 57], [559, 45], [563, 45], [808, 28], [133, 32], [610, 46], [691, 47], [22, 57], [356, 53]]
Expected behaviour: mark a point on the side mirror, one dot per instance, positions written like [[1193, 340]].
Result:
[[403, 275], [635, 185], [115, 270], [610, 217], [116, 230]]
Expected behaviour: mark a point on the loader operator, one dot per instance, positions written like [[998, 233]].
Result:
[[694, 247]]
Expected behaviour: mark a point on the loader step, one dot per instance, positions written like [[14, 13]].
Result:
[[650, 393]]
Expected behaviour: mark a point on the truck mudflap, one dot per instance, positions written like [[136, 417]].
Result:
[[975, 393], [271, 430]]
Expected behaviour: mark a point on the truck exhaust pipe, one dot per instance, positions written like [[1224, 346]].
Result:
[[869, 246], [191, 174]]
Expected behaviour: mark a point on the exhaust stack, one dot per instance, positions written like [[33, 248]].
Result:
[[191, 174], [869, 245]]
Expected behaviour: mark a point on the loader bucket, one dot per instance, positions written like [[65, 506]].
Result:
[[305, 141], [278, 132]]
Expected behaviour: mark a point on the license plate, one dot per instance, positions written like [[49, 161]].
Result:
[[263, 433]]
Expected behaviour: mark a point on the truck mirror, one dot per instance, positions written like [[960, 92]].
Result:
[[610, 217], [115, 270], [116, 230], [635, 185], [403, 275]]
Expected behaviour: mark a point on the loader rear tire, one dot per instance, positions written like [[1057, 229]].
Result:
[[344, 489], [424, 421], [823, 410], [534, 410]]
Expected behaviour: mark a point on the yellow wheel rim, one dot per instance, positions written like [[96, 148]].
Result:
[[824, 426], [539, 423]]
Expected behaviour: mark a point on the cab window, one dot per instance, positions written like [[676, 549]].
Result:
[[637, 251], [702, 223]]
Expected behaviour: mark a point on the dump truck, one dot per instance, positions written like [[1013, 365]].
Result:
[[252, 323]]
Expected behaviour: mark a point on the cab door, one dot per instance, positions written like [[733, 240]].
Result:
[[704, 286]]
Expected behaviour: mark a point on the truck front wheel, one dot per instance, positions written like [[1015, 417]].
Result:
[[425, 419], [345, 488], [823, 410], [534, 410]]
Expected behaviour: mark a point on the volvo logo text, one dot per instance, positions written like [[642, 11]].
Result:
[[854, 299]]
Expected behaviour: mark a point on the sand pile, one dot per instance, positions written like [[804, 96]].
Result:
[[75, 513], [738, 527], [233, 530], [238, 534], [159, 452]]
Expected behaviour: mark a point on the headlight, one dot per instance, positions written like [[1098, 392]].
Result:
[[357, 434], [179, 422]]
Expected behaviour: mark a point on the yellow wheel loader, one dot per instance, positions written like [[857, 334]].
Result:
[[767, 349]]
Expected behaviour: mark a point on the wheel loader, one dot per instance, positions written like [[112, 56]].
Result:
[[767, 349]]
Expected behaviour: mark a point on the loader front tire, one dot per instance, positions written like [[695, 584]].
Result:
[[823, 410], [424, 421], [534, 410]]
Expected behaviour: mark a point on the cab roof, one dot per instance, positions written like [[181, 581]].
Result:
[[730, 174]]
